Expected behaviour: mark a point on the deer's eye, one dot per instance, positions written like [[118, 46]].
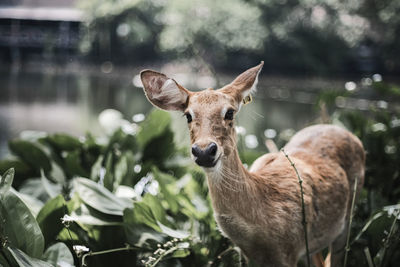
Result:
[[229, 114], [188, 117]]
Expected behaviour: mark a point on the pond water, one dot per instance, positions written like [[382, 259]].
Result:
[[70, 100]]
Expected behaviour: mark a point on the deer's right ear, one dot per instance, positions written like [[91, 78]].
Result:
[[164, 92]]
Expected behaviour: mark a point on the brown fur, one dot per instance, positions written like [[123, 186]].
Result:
[[260, 209]]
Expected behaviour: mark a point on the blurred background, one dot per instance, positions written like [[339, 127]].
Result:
[[72, 105], [64, 61]]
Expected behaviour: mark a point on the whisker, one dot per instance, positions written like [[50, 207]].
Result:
[[258, 114]]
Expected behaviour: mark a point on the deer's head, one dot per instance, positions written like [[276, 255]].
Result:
[[210, 113]]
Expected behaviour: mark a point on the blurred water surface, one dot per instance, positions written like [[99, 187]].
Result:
[[70, 100]]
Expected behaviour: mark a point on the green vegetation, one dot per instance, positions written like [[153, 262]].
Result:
[[133, 198], [303, 36]]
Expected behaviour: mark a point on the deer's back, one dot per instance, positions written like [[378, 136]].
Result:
[[328, 158], [323, 143]]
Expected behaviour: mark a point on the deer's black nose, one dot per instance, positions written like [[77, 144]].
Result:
[[206, 157]]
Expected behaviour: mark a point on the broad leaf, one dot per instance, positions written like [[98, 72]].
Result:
[[4, 261], [73, 164], [30, 153], [108, 180], [64, 142], [164, 180], [25, 260], [96, 169], [34, 187], [182, 251], [59, 255], [121, 170], [34, 204], [21, 228], [52, 189], [142, 214], [89, 216], [99, 198], [6, 181], [154, 126], [49, 218], [24, 170], [57, 173], [171, 232], [139, 234], [155, 206]]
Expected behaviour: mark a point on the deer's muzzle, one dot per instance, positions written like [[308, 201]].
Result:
[[205, 157]]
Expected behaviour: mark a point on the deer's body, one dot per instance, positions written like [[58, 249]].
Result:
[[260, 209]]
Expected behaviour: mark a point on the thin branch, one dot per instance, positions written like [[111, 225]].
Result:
[[369, 258], [127, 248], [350, 222], [386, 244], [67, 224], [303, 210]]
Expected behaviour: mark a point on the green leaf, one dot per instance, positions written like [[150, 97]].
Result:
[[34, 187], [52, 189], [59, 255], [121, 170], [182, 251], [74, 165], [49, 218], [99, 198], [64, 142], [3, 261], [164, 180], [139, 234], [20, 226], [143, 214], [171, 232], [6, 181], [25, 260], [89, 216], [34, 204], [153, 153], [30, 153], [96, 168], [155, 206], [108, 180], [57, 174], [23, 169], [155, 125]]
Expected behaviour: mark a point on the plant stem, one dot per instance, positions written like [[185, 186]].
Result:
[[104, 252], [225, 252], [386, 245], [369, 258], [67, 225], [303, 210], [350, 222], [163, 255]]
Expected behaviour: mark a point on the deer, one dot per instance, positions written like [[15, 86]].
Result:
[[259, 209]]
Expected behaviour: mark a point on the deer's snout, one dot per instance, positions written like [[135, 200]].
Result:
[[205, 157]]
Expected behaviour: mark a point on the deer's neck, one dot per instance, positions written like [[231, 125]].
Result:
[[232, 187]]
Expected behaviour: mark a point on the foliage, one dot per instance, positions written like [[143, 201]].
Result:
[[138, 201], [375, 229], [133, 198], [314, 36]]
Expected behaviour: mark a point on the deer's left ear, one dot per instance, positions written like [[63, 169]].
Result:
[[244, 84], [164, 92]]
